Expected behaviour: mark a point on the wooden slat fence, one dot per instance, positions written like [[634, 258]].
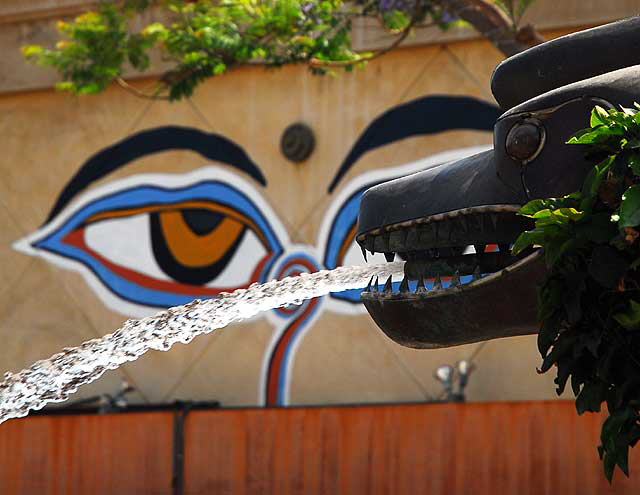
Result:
[[531, 448]]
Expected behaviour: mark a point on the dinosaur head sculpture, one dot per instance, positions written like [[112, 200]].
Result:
[[441, 219]]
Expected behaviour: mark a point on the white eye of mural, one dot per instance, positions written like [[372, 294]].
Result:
[[125, 242], [243, 263]]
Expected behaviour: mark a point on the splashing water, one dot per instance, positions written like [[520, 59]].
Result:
[[56, 378]]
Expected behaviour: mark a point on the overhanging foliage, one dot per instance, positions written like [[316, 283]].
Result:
[[205, 38], [590, 303]]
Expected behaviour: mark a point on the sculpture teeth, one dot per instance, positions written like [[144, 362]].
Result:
[[476, 273], [494, 220], [375, 285], [388, 286], [403, 237], [404, 285], [370, 240], [479, 248], [437, 283], [369, 284], [389, 256], [455, 279], [364, 253], [412, 237], [421, 289]]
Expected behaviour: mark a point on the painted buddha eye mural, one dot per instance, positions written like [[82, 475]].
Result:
[[158, 240], [152, 241], [159, 247]]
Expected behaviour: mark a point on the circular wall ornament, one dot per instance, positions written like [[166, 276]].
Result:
[[297, 142]]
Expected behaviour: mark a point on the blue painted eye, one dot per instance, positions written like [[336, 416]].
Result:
[[157, 246], [341, 248]]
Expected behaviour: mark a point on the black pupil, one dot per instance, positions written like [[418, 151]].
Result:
[[200, 220]]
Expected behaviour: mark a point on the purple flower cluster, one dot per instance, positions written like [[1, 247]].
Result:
[[391, 5]]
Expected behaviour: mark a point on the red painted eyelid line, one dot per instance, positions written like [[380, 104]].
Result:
[[280, 349]]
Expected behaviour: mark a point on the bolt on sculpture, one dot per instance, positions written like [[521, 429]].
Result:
[[441, 219]]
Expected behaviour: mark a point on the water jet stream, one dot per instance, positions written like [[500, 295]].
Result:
[[56, 378]]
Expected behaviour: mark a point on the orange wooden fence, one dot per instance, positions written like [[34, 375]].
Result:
[[499, 448]]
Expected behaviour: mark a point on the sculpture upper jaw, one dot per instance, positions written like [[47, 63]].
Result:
[[457, 288], [473, 241]]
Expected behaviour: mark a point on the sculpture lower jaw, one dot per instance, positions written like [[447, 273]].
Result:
[[502, 304]]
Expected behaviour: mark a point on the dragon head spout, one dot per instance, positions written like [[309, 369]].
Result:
[[442, 219]]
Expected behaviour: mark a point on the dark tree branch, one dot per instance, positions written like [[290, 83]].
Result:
[[493, 24]]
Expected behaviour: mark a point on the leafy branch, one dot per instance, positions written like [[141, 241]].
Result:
[[206, 38], [590, 302]]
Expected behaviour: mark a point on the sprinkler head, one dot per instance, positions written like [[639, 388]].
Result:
[[444, 374], [464, 369]]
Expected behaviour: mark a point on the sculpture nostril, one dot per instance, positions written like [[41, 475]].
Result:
[[525, 140]]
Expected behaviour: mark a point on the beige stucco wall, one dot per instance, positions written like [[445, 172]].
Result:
[[46, 136]]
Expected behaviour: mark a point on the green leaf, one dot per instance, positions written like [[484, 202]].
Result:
[[597, 135], [32, 51], [155, 29], [563, 345], [594, 178], [597, 228], [630, 319], [555, 250], [607, 266], [591, 397], [395, 20], [550, 313], [90, 88], [559, 216], [533, 207], [619, 430], [609, 466], [634, 162], [65, 86], [219, 69], [630, 208], [528, 238], [599, 116]]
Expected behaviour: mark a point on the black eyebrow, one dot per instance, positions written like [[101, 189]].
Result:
[[212, 146], [426, 115]]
